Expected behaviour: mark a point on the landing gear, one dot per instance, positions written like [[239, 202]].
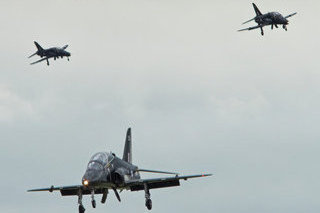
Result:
[[149, 204], [117, 194], [261, 31], [104, 196], [147, 196], [285, 27], [81, 208], [48, 62], [68, 59], [93, 201]]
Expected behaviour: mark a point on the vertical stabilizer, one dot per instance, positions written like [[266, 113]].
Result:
[[127, 152], [256, 9], [38, 46]]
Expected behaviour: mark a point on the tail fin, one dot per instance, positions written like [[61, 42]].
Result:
[[256, 9], [127, 152], [38, 46]]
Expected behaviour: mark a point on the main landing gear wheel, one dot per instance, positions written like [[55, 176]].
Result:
[[147, 196], [261, 31], [81, 209], [93, 204], [149, 204]]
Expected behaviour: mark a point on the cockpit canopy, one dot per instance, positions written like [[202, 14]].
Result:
[[101, 157], [99, 160], [276, 14]]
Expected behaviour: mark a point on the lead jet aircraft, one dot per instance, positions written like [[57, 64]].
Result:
[[271, 18], [106, 171], [54, 52]]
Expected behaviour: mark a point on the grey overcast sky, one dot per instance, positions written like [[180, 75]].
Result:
[[199, 96]]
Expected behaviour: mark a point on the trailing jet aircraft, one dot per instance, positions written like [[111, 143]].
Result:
[[106, 171], [54, 52], [271, 18]]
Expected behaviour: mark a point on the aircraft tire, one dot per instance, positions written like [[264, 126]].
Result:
[[149, 204], [93, 204], [81, 209]]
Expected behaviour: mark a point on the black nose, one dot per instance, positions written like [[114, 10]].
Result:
[[92, 176]]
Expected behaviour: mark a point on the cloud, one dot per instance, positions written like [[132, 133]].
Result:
[[12, 106]]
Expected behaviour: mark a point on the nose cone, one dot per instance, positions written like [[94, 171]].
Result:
[[68, 54], [92, 177]]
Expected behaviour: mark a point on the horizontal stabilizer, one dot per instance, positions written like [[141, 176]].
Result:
[[33, 54], [155, 171], [248, 21]]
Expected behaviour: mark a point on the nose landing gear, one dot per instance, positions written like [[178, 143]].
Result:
[[93, 201], [147, 196], [285, 27]]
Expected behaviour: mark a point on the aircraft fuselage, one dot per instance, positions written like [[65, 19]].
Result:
[[271, 18], [107, 169]]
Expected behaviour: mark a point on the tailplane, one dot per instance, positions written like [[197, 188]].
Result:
[[127, 152], [256, 9]]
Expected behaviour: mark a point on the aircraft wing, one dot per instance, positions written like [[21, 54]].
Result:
[[251, 28], [69, 190], [290, 15], [136, 185], [43, 59]]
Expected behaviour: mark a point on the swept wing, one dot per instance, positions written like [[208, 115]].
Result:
[[133, 185], [136, 185], [43, 59], [288, 16], [251, 28]]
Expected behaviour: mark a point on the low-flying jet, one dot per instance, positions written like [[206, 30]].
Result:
[[271, 18], [106, 171], [53, 52]]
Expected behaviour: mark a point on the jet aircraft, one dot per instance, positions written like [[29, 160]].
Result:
[[271, 18], [106, 171], [54, 52]]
